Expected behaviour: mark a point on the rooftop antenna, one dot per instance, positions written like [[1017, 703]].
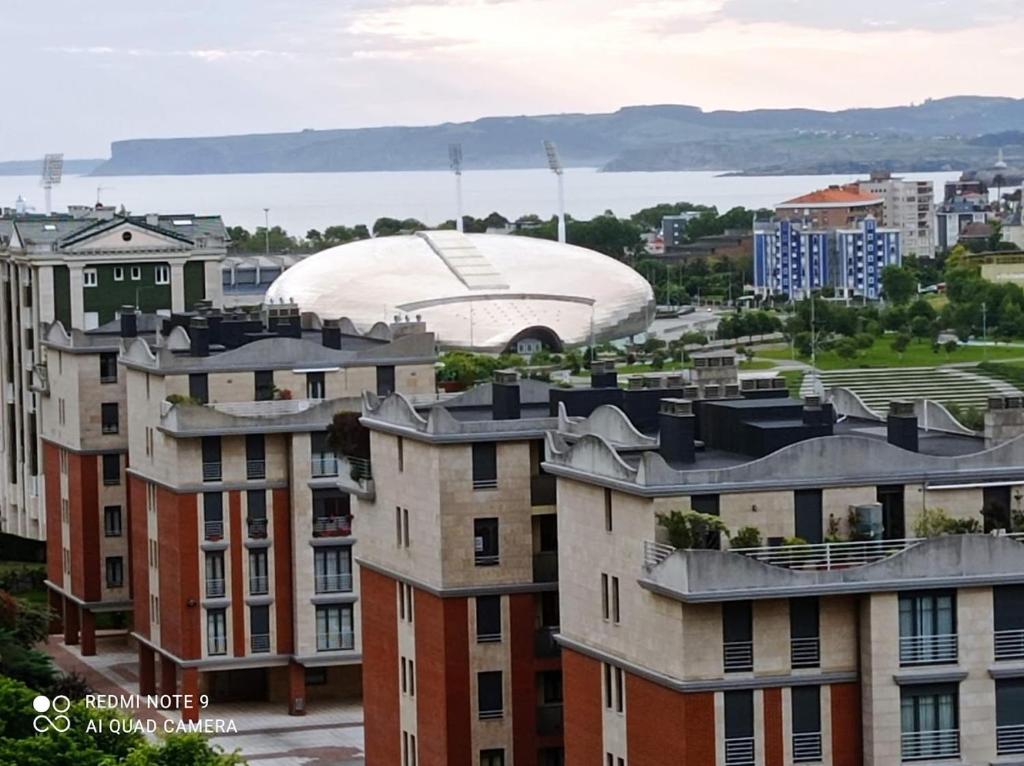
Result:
[[53, 171], [556, 167], [455, 163]]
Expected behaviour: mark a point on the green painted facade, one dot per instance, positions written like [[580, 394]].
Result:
[[62, 295], [195, 283], [110, 294]]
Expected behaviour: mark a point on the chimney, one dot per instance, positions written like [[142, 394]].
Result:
[[635, 382], [677, 426], [813, 411], [199, 334], [129, 322], [505, 395], [603, 375], [901, 426], [652, 381], [331, 333]]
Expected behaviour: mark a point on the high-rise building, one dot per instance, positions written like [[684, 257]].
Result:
[[832, 208], [791, 258], [863, 251], [80, 268], [908, 206]]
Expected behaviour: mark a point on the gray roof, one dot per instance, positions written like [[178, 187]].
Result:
[[67, 230]]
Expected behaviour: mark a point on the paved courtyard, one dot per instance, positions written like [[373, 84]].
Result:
[[330, 734]]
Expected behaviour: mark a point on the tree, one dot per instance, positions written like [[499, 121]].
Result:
[[899, 284], [846, 348], [900, 343], [347, 436]]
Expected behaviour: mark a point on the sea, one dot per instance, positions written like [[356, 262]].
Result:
[[299, 202]]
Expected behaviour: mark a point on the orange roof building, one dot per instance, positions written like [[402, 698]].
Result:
[[830, 208]]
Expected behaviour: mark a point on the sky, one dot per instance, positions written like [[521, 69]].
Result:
[[80, 75]]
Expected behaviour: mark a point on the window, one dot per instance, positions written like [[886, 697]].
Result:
[[488, 619], [331, 516], [485, 465], [1008, 618], [408, 749], [893, 516], [607, 510], [408, 668], [401, 454], [323, 460], [1010, 716], [489, 694], [256, 513], [264, 385], [162, 275], [136, 273], [108, 367], [708, 504], [485, 542], [405, 602], [334, 628], [332, 569], [805, 642], [492, 757], [89, 278], [315, 386], [215, 586], [213, 515], [211, 458], [385, 380], [605, 610], [806, 710], [216, 631], [119, 273], [115, 572], [615, 600], [259, 584], [112, 521], [108, 417], [929, 722], [111, 470], [739, 728], [199, 387], [737, 636], [614, 688], [610, 598], [255, 457], [259, 628], [927, 628], [808, 515]]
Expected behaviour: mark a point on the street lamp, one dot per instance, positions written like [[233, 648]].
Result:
[[266, 229]]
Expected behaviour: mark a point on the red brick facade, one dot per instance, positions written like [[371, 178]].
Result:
[[773, 750], [846, 725], [652, 710], [54, 547], [382, 731], [525, 666], [139, 544], [584, 727], [283, 571], [237, 535], [178, 540]]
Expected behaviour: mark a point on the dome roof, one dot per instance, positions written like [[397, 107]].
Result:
[[478, 291]]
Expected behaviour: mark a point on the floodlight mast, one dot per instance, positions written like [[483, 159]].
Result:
[[556, 167], [53, 171], [455, 162]]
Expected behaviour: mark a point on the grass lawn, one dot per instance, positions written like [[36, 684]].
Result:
[[36, 595], [918, 354]]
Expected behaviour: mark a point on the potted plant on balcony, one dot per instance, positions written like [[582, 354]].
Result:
[[690, 529], [746, 537], [347, 436]]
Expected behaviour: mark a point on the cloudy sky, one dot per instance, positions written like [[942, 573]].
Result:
[[78, 74]]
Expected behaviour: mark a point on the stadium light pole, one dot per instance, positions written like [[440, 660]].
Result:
[[266, 230], [53, 171], [556, 167], [455, 163]]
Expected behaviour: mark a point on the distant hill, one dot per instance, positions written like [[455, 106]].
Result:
[[35, 167], [933, 135]]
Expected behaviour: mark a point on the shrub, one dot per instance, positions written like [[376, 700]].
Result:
[[690, 529], [182, 399], [792, 541], [935, 522], [347, 436], [746, 537]]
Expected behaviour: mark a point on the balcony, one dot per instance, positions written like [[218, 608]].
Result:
[[543, 490], [1009, 644], [738, 656], [922, 745], [544, 643], [213, 530], [257, 528], [805, 652], [807, 747], [491, 483], [218, 645], [259, 585], [1010, 740], [323, 465], [545, 566], [215, 587], [327, 642], [739, 751], [332, 526], [549, 720], [212, 471], [928, 650], [333, 583], [259, 643], [484, 559], [255, 469]]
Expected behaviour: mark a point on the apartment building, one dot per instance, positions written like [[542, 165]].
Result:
[[459, 570], [833, 208], [79, 268], [864, 250], [908, 206], [958, 212], [857, 643]]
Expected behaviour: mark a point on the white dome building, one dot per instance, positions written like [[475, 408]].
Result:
[[485, 292]]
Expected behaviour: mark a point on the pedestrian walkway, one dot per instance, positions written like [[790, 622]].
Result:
[[330, 734]]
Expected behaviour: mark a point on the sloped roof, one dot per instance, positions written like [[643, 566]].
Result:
[[833, 196]]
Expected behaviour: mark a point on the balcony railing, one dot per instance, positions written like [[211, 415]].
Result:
[[218, 645], [805, 652], [333, 583], [928, 650], [920, 745], [1009, 644], [258, 585], [807, 747], [360, 468], [257, 528], [332, 526], [549, 720], [326, 642], [545, 566], [738, 656], [485, 484], [260, 642], [739, 751], [491, 714], [215, 587], [544, 643], [212, 471], [213, 530], [1010, 740], [323, 465], [255, 469], [486, 559]]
